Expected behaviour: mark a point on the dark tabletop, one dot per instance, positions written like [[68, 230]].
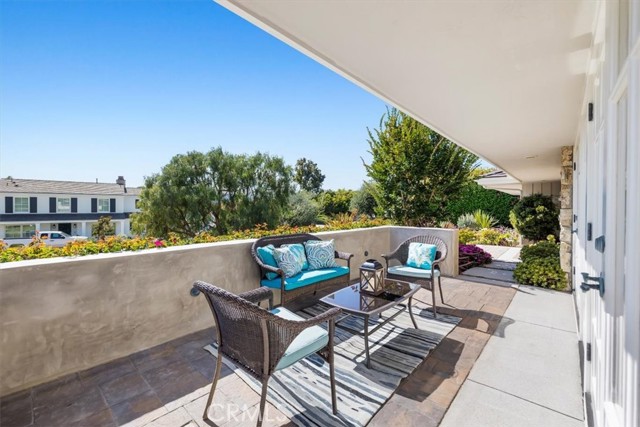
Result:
[[353, 299]]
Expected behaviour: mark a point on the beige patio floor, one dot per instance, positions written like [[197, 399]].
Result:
[[167, 385]]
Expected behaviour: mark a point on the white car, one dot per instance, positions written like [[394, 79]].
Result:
[[55, 239]]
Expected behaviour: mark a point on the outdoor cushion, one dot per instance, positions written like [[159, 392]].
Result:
[[421, 255], [287, 260], [320, 254], [308, 342], [298, 251], [306, 277], [266, 255], [405, 270]]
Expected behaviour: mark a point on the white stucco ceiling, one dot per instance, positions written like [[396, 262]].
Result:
[[504, 79]]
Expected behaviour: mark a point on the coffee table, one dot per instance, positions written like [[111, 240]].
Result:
[[358, 302]]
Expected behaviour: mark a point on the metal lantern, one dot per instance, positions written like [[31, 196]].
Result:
[[372, 276]]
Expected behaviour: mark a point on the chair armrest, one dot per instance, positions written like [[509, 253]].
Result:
[[300, 325], [258, 295], [390, 256], [345, 256], [269, 268], [328, 315]]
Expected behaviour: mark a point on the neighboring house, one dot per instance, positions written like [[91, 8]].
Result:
[[549, 92], [27, 205]]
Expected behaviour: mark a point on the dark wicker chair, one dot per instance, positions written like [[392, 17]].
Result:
[[289, 296], [402, 253], [256, 339]]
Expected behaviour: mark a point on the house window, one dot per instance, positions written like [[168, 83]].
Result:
[[64, 205], [104, 205], [20, 231], [21, 205]]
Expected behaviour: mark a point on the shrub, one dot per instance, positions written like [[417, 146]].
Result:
[[467, 221], [544, 249], [474, 196], [363, 201], [483, 219], [475, 254], [536, 217], [543, 272], [488, 236], [104, 227], [466, 236], [37, 249], [303, 210]]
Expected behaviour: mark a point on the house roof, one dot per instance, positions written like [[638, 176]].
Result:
[[501, 181], [37, 186]]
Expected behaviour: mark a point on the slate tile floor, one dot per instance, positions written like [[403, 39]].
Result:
[[168, 385]]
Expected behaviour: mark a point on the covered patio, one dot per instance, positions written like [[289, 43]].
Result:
[[512, 360]]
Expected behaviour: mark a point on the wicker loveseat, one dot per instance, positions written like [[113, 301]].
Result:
[[307, 282]]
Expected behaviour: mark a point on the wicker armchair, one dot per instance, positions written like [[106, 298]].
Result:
[[288, 296], [426, 278], [257, 340]]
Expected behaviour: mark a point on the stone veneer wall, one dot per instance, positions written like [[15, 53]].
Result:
[[566, 211]]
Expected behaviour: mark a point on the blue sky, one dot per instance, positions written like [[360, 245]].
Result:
[[98, 89]]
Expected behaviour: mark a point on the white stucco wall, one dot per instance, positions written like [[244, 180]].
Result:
[[63, 315]]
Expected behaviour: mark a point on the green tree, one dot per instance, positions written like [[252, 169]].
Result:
[[216, 192], [363, 201], [417, 171], [308, 175], [303, 210], [336, 202], [104, 227]]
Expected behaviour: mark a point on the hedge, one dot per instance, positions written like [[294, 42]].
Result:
[[474, 197], [37, 249]]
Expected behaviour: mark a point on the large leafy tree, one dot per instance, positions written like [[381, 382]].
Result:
[[216, 192], [336, 202], [416, 170], [308, 175], [363, 201]]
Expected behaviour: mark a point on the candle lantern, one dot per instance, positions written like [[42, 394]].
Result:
[[372, 276]]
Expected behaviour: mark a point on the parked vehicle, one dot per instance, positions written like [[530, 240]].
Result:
[[56, 239]]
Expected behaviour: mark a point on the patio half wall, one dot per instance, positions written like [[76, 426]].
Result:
[[63, 315]]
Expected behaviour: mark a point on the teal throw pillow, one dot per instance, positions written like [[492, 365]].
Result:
[[421, 255], [266, 255], [320, 254], [298, 251], [287, 261]]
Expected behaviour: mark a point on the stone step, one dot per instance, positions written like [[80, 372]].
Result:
[[501, 265], [490, 273]]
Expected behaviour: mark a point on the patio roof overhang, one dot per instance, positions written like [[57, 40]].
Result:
[[504, 79]]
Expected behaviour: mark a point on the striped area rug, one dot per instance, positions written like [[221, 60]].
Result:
[[302, 390]]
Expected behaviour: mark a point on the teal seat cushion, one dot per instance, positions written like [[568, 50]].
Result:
[[308, 342], [405, 270], [266, 255], [421, 255], [306, 277]]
